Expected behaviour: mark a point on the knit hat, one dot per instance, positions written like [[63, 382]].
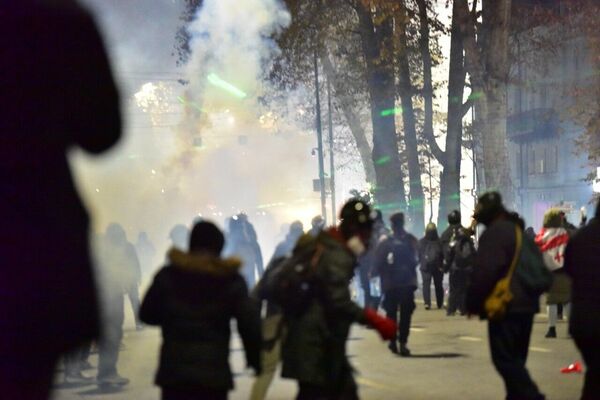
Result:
[[206, 237]]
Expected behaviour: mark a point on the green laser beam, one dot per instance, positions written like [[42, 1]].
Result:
[[228, 87], [475, 96], [383, 160], [391, 111]]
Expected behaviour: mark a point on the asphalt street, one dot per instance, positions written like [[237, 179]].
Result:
[[450, 361]]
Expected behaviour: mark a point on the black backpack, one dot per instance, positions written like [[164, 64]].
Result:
[[432, 255], [291, 284], [401, 260], [531, 270], [463, 251]]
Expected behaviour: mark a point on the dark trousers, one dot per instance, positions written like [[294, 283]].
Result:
[[438, 277], [193, 393], [400, 300], [458, 292], [509, 344], [26, 377], [112, 333], [589, 346]]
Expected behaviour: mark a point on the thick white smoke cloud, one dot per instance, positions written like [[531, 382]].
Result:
[[250, 157]]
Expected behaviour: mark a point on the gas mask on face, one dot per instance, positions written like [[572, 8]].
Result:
[[356, 245]]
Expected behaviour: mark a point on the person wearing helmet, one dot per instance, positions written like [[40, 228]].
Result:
[[314, 349], [459, 252], [317, 224], [396, 262], [508, 336]]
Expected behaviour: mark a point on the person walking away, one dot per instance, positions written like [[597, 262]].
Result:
[[395, 263], [459, 255], [431, 260], [286, 247], [242, 242], [58, 93], [317, 224], [193, 299], [132, 279], [113, 256], [582, 264], [552, 241], [508, 336], [314, 349], [365, 263], [146, 252]]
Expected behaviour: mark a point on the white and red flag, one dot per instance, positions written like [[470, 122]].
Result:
[[552, 243]]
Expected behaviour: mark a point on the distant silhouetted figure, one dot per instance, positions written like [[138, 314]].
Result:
[[179, 236], [57, 92], [243, 243], [146, 253]]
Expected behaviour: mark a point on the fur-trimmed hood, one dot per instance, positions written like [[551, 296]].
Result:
[[204, 263]]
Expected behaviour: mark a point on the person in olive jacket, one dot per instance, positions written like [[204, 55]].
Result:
[[193, 300], [314, 349]]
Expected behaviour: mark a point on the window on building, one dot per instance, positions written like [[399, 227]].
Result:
[[552, 159], [531, 162]]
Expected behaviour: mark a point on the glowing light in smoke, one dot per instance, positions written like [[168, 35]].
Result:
[[228, 87], [391, 111]]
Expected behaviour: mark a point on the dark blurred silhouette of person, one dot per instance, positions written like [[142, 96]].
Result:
[[146, 253], [193, 300], [57, 93], [431, 260], [285, 248], [582, 263], [395, 262], [317, 224], [243, 243], [530, 232], [116, 259], [509, 336], [365, 262], [459, 254]]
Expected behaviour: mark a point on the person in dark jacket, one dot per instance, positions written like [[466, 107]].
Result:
[[454, 240], [582, 264], [317, 224], [243, 243], [431, 260], [58, 93], [314, 349], [286, 247], [508, 337], [193, 300], [396, 264]]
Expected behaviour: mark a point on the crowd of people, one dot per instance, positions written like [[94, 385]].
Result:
[[209, 280]]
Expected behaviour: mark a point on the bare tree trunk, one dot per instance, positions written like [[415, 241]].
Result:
[[389, 193], [488, 66], [450, 178], [358, 132], [416, 198]]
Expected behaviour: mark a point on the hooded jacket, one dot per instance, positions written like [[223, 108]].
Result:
[[193, 300], [430, 243]]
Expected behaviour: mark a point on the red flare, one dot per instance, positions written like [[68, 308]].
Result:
[[575, 367]]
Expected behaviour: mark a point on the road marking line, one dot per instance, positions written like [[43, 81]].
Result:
[[417, 329], [540, 349], [470, 338]]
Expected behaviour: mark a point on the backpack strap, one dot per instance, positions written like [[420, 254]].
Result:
[[518, 246]]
